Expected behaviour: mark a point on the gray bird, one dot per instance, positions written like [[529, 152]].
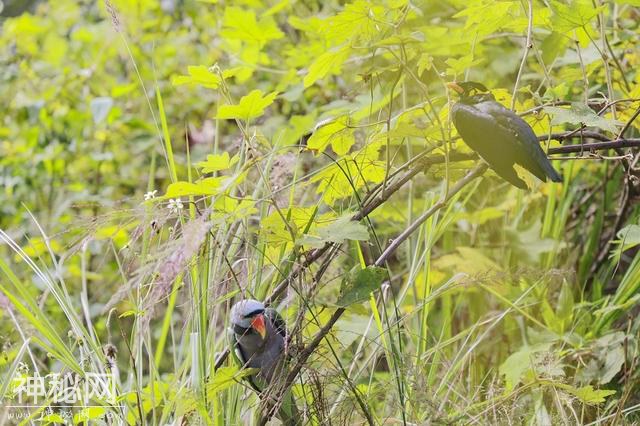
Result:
[[258, 338], [498, 135]]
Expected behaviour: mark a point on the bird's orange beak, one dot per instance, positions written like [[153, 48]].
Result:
[[258, 325], [455, 86]]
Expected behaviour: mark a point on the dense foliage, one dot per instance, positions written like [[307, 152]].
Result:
[[161, 159]]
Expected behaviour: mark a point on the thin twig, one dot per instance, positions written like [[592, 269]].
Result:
[[527, 46]]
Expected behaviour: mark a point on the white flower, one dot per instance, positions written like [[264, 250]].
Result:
[[150, 195], [175, 205]]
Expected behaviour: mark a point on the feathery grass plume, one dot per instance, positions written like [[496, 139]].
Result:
[[194, 234]]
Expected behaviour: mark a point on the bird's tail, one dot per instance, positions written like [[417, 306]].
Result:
[[552, 173], [288, 413]]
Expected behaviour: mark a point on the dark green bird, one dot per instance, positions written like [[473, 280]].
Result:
[[498, 135]]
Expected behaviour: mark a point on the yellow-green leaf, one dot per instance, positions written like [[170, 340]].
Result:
[[250, 106], [337, 134], [241, 24], [215, 163], [329, 62], [198, 75], [207, 186]]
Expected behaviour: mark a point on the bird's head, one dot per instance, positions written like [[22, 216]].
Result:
[[247, 317], [471, 90]]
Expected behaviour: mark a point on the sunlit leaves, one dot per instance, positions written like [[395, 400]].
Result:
[[486, 17], [350, 173], [339, 230], [198, 75], [574, 14], [286, 226], [360, 19], [215, 163], [581, 114], [588, 395], [241, 24], [250, 106], [329, 62], [207, 186], [337, 133]]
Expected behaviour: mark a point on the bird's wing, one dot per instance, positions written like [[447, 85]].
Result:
[[478, 128], [529, 155]]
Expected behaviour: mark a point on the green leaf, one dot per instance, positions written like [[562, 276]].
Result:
[[518, 363], [250, 106], [198, 75], [215, 163], [588, 395], [564, 309], [207, 186], [570, 15], [580, 114], [337, 133], [241, 24], [226, 377], [359, 283], [337, 231], [628, 237], [329, 62]]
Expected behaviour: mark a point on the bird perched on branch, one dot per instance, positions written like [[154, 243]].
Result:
[[498, 135], [258, 339]]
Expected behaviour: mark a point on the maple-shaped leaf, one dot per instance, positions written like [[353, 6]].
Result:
[[215, 163], [573, 14], [337, 133], [328, 62], [581, 114], [241, 24], [250, 106], [339, 230], [350, 173], [198, 75], [207, 186]]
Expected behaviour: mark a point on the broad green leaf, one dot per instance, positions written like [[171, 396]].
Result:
[[459, 65], [215, 163], [250, 106], [225, 377], [241, 24], [360, 20], [628, 237], [329, 62], [564, 310], [198, 75], [359, 283], [350, 173], [588, 395], [518, 363], [337, 133], [341, 229], [207, 186], [570, 15], [580, 114]]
